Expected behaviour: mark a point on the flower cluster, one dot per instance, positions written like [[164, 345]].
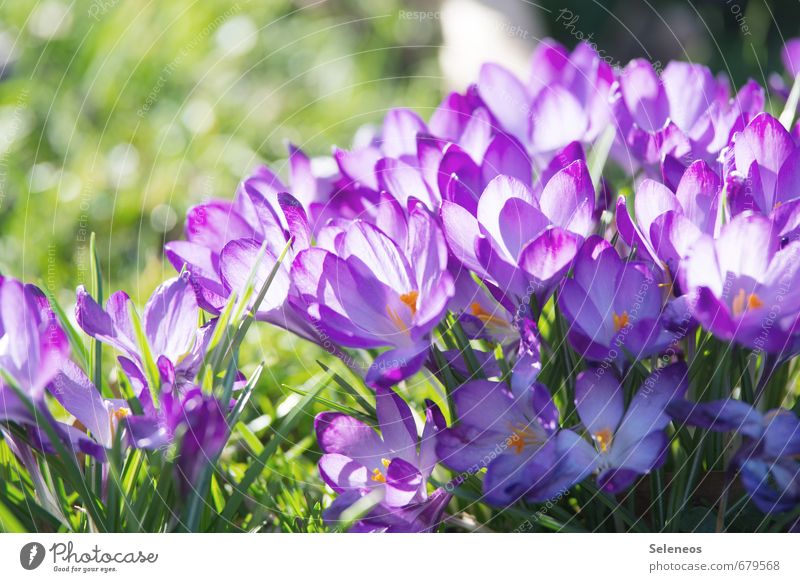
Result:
[[572, 339]]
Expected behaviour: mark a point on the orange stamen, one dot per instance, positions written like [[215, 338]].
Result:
[[522, 436], [744, 302], [603, 439], [620, 320], [410, 299]]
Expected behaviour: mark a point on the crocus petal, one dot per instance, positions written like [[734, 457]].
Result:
[[170, 318], [76, 393], [507, 98], [403, 482], [238, 260], [599, 401]]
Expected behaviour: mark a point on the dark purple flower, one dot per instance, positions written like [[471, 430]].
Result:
[[767, 461], [631, 441], [516, 436]]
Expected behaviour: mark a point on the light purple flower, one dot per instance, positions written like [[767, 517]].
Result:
[[666, 222], [565, 99], [613, 306], [395, 464], [363, 288], [763, 169], [684, 114], [169, 323], [740, 284], [519, 242]]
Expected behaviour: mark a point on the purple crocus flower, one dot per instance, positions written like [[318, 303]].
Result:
[[667, 222], [394, 464], [76, 393], [763, 169], [365, 289], [767, 461], [463, 152], [685, 113], [516, 437], [226, 239], [739, 284], [197, 421], [33, 351], [613, 306], [169, 323], [520, 243], [565, 99], [628, 442]]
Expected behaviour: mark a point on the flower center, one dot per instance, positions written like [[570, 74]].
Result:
[[744, 302], [486, 317], [121, 413], [409, 300], [603, 439], [521, 437], [620, 320], [377, 475]]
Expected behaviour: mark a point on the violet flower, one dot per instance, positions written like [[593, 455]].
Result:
[[169, 323], [762, 172], [365, 289], [629, 441], [613, 306], [767, 461], [395, 464], [739, 285], [516, 437]]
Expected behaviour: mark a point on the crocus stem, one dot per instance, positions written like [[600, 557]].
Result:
[[789, 110]]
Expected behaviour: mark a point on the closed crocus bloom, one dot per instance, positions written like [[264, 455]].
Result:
[[565, 99], [767, 461], [629, 441], [368, 290], [740, 285], [395, 464], [516, 436], [613, 306], [227, 241]]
